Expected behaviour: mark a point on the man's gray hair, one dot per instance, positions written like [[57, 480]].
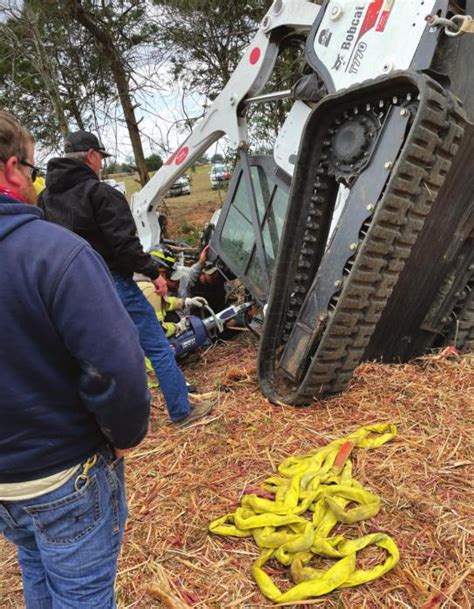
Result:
[[80, 156]]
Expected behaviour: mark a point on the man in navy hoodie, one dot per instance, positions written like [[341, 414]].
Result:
[[73, 397]]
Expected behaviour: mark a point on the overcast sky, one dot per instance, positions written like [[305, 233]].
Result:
[[11, 5], [162, 114]]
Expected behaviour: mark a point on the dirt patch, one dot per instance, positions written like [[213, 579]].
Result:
[[182, 214]]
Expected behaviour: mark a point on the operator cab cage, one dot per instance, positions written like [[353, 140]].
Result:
[[247, 234]]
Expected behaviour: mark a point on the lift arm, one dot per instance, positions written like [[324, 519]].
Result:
[[226, 116]]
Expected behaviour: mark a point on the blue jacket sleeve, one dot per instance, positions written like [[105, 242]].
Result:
[[100, 335]]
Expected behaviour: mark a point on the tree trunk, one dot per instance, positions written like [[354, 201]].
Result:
[[74, 109], [48, 69], [72, 104], [106, 43]]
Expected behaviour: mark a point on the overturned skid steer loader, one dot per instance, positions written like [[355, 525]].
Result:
[[396, 276], [375, 257], [394, 142]]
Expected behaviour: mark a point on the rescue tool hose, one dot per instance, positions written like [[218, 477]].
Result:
[[321, 483], [218, 322]]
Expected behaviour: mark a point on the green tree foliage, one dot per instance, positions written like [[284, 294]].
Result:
[[127, 167], [154, 162], [110, 167], [266, 119], [118, 28], [46, 77], [65, 64], [206, 39]]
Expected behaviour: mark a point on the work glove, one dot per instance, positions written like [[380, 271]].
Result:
[[197, 301], [181, 326]]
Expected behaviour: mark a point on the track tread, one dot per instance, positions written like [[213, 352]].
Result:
[[465, 332], [396, 225]]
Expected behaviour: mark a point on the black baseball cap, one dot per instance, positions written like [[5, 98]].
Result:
[[82, 141]]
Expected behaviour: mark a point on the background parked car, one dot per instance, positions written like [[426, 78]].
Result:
[[180, 187], [220, 176], [118, 185]]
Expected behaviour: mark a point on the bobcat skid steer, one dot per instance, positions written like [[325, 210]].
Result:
[[358, 233]]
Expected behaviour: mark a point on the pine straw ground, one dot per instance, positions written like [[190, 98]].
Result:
[[178, 481]]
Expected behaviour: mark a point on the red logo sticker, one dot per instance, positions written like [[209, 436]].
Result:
[[171, 159], [382, 22], [181, 154], [371, 17], [254, 55]]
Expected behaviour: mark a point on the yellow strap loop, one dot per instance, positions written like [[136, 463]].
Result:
[[319, 482]]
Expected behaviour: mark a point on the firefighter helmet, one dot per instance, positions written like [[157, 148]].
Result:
[[165, 258]]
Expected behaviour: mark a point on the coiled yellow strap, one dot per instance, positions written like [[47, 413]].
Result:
[[319, 483]]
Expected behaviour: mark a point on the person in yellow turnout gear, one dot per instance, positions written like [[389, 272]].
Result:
[[164, 305], [39, 185]]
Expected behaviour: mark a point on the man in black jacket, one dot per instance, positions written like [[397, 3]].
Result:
[[76, 199]]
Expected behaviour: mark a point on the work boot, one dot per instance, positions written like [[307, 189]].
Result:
[[198, 411]]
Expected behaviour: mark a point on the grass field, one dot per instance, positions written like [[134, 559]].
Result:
[[186, 214]]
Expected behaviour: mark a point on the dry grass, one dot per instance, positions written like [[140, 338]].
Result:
[[178, 481]]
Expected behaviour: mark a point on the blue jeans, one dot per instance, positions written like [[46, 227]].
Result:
[[156, 347], [68, 541]]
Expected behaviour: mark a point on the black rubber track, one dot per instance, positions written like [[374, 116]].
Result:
[[399, 217], [414, 185], [465, 333]]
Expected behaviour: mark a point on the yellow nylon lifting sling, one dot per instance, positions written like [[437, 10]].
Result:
[[320, 483]]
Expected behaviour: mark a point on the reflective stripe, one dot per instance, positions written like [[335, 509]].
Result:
[[161, 255]]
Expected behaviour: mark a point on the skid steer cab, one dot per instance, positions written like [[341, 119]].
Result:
[[357, 231]]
